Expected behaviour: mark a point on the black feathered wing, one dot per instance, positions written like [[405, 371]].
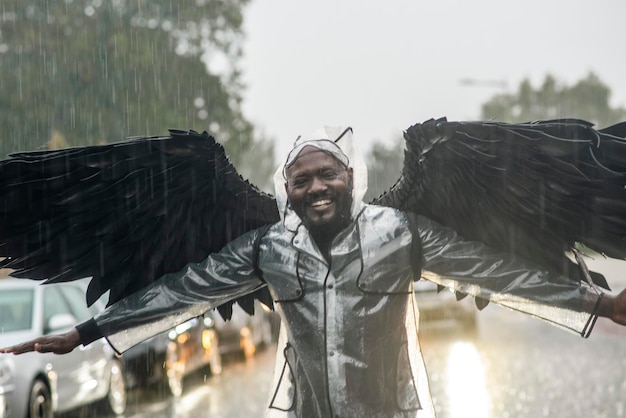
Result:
[[533, 189], [125, 213]]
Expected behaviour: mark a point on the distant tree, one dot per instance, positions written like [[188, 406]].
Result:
[[98, 71], [384, 166], [587, 99]]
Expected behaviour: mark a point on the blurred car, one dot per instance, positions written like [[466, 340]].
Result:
[[5, 387], [245, 333], [40, 384], [165, 359], [441, 310]]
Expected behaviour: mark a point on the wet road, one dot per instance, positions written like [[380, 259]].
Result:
[[520, 367], [513, 367], [523, 368]]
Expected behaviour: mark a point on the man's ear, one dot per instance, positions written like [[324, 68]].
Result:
[[287, 188], [350, 175]]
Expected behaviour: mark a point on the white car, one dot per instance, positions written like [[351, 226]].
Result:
[[38, 385]]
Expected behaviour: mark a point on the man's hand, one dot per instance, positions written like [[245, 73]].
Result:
[[58, 344], [614, 307]]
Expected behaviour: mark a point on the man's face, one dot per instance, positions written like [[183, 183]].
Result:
[[319, 189]]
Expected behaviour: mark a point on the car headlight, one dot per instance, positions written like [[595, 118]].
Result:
[[6, 372], [6, 369], [208, 322]]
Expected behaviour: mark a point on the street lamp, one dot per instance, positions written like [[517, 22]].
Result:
[[501, 84]]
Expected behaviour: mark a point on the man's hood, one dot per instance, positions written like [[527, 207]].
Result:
[[342, 136]]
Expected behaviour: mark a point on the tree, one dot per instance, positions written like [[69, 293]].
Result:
[[587, 99], [95, 71], [384, 166]]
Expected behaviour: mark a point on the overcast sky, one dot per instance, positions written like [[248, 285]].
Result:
[[382, 66]]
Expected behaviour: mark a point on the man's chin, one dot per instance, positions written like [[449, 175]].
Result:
[[318, 225], [325, 225], [320, 219]]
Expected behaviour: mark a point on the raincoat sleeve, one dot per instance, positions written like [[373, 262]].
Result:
[[177, 297], [477, 270]]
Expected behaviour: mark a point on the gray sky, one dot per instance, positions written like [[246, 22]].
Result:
[[382, 66]]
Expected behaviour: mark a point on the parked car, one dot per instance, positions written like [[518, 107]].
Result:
[[40, 384], [5, 385], [440, 310], [245, 333], [165, 359]]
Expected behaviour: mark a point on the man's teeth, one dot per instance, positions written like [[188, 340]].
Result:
[[321, 202]]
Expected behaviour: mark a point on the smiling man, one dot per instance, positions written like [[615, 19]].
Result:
[[341, 275], [319, 188]]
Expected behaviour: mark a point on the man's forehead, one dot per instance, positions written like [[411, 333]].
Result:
[[325, 145], [311, 158], [309, 150]]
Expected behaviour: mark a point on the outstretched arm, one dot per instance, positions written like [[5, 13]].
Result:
[[58, 344], [614, 307], [490, 275], [167, 302]]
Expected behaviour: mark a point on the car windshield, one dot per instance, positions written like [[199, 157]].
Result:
[[16, 309]]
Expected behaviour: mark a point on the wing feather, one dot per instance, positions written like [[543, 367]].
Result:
[[124, 214], [536, 189]]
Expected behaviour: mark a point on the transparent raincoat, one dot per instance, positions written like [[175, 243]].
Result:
[[349, 335]]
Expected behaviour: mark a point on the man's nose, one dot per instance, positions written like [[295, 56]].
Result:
[[317, 185]]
